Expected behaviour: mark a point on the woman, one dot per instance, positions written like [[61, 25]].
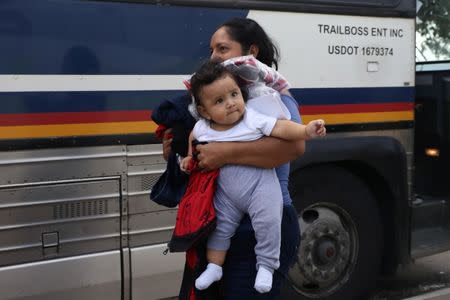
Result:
[[239, 37]]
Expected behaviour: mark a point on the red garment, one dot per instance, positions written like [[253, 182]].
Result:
[[159, 132], [196, 216]]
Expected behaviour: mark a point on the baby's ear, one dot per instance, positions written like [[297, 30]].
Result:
[[202, 112]]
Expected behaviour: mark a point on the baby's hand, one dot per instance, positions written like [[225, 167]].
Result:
[[185, 164], [316, 128]]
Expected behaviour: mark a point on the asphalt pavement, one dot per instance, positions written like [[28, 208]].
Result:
[[443, 294], [426, 278]]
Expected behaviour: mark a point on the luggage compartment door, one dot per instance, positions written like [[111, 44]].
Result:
[[61, 240]]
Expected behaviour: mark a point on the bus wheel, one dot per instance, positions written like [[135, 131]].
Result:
[[340, 251]]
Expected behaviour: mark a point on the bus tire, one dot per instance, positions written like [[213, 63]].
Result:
[[341, 235]]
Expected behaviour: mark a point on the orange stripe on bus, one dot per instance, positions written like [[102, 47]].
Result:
[[40, 131], [92, 129]]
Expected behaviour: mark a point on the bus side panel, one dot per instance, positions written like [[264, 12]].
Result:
[[102, 77], [94, 276], [154, 273], [60, 223], [150, 226]]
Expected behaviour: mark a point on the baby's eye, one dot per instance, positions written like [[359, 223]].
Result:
[[234, 94], [223, 49], [218, 101]]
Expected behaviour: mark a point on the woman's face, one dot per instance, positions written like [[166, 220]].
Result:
[[223, 47]]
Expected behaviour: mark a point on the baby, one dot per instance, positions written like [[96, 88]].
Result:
[[221, 105]]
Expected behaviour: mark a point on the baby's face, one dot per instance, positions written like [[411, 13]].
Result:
[[222, 101]]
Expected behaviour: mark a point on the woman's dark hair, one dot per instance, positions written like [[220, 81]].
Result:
[[247, 32], [207, 74]]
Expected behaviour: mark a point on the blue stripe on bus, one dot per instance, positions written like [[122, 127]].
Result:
[[89, 37], [40, 102], [319, 96]]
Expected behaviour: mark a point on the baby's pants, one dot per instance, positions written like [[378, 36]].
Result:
[[256, 191]]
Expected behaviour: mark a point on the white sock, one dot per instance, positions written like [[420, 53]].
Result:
[[212, 273], [263, 281]]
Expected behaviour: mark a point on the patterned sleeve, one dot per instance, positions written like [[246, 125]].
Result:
[[272, 77], [251, 70]]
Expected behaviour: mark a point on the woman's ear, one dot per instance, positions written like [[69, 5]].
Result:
[[254, 50], [202, 111]]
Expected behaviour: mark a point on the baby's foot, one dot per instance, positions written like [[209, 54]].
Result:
[[263, 281], [212, 273]]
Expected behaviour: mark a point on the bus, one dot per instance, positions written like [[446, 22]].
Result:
[[78, 153]]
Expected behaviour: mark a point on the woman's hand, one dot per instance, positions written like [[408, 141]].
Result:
[[212, 156], [167, 142]]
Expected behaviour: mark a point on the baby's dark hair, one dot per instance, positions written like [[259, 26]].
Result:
[[207, 74]]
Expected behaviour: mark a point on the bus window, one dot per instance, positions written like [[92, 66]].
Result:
[[432, 104], [433, 30]]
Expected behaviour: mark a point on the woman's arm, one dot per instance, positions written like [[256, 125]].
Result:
[[267, 152]]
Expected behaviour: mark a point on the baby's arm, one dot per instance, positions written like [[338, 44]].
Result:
[[186, 162], [288, 130]]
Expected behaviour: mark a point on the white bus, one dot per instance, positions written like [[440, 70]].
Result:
[[78, 154]]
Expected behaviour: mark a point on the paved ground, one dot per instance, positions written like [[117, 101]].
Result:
[[425, 275], [427, 278], [442, 294]]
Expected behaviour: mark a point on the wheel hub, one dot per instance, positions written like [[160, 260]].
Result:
[[324, 257], [325, 252]]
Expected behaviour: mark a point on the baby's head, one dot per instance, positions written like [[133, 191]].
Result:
[[217, 95]]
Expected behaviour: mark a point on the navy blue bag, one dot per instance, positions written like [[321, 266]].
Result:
[[171, 186]]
